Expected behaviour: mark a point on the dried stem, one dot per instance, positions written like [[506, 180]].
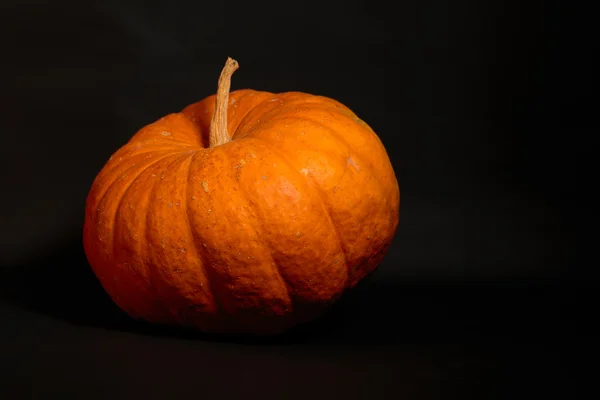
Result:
[[218, 124]]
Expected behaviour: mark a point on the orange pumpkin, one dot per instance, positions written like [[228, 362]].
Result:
[[246, 213]]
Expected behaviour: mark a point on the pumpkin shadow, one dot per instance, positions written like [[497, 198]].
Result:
[[61, 285]]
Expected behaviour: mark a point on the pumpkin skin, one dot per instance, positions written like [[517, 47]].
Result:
[[253, 236]]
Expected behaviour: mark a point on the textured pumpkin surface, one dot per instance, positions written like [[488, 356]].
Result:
[[252, 236]]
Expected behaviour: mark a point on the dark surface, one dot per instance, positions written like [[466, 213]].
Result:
[[483, 108], [386, 339], [383, 341]]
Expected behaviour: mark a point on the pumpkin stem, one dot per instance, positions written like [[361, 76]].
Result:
[[218, 124]]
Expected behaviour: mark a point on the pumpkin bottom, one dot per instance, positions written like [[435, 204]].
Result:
[[250, 323], [246, 322]]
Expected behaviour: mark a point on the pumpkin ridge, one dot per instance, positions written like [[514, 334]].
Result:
[[339, 137], [114, 230], [313, 105], [120, 203], [196, 239], [366, 160], [318, 190], [147, 143], [213, 278], [243, 123], [320, 106], [333, 109], [201, 130], [265, 115], [275, 268], [102, 195], [110, 172], [150, 265], [246, 94], [128, 187], [308, 101], [258, 231]]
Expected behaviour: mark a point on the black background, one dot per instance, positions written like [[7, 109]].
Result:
[[481, 106]]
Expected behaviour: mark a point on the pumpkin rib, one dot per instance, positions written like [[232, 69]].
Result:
[[351, 149], [173, 129], [300, 100], [264, 115], [258, 232], [307, 106], [211, 273], [167, 289], [117, 164], [128, 187], [150, 265], [225, 284], [274, 266], [132, 147], [196, 239], [311, 105], [101, 196], [144, 263], [155, 145], [115, 223], [319, 192], [240, 120], [339, 137], [295, 99], [292, 104], [246, 125], [251, 133], [154, 184], [119, 203]]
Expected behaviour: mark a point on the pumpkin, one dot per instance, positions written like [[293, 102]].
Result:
[[246, 213]]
